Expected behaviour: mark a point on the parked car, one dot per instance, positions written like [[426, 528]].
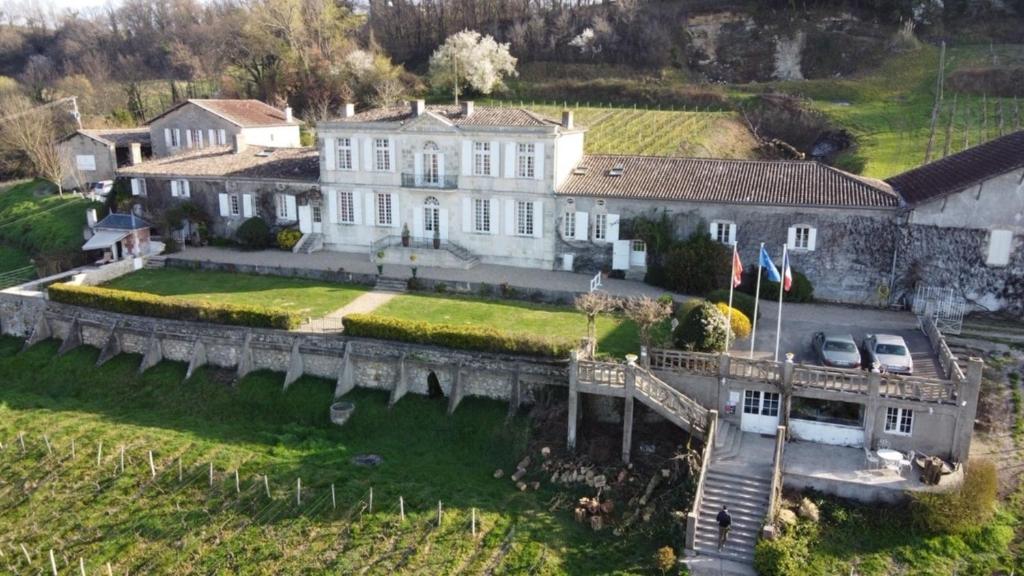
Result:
[[889, 352], [837, 350], [100, 190]]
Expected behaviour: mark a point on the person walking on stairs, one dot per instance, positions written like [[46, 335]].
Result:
[[724, 523]]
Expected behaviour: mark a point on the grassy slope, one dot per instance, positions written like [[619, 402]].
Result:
[[889, 109], [659, 132], [307, 297], [35, 220], [160, 526], [12, 258], [876, 541], [616, 336]]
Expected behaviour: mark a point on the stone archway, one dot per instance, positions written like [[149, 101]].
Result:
[[434, 389]]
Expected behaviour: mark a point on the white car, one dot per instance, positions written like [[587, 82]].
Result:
[[100, 190], [889, 352]]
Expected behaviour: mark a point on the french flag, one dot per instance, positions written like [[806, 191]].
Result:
[[787, 272]]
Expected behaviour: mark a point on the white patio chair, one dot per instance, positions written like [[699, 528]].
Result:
[[907, 462], [883, 444], [872, 459]]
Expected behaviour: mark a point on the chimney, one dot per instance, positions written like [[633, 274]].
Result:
[[467, 108], [418, 106], [287, 113], [90, 218], [238, 145], [348, 110], [567, 121], [135, 153]]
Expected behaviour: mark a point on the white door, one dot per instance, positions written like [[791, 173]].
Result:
[[318, 219], [620, 255], [638, 254], [760, 412], [305, 219]]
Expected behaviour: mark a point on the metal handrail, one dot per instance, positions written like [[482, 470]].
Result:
[[393, 241], [446, 182]]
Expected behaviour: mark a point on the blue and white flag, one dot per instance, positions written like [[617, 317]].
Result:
[[769, 266]]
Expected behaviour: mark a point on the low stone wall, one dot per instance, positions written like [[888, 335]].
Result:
[[326, 275], [394, 366]]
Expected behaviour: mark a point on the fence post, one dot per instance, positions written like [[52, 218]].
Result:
[[370, 508], [401, 508], [152, 468], [49, 449], [211, 474], [72, 448], [266, 484], [438, 513], [238, 486], [179, 469], [21, 440], [81, 566], [334, 501], [298, 491], [122, 459], [99, 453], [53, 564], [472, 522]]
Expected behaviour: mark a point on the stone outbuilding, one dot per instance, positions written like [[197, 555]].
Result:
[[117, 236], [95, 154], [199, 124]]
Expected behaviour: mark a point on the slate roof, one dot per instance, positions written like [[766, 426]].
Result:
[[962, 170], [244, 113], [481, 116], [254, 162], [729, 181], [121, 221], [119, 137]]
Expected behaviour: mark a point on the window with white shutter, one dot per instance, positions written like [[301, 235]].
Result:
[[346, 207], [569, 222], [481, 158], [282, 207], [384, 214], [723, 231], [1000, 244], [481, 215], [600, 227], [524, 218], [345, 154], [382, 154], [526, 161], [235, 204], [801, 237]]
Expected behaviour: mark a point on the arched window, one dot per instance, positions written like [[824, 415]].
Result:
[[431, 215], [431, 164]]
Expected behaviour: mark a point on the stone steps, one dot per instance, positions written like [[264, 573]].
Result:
[[385, 284], [155, 262]]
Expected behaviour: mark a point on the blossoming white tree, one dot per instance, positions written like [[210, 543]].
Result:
[[468, 58]]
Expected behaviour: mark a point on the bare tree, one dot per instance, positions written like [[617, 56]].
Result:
[[646, 313], [592, 304], [33, 133]]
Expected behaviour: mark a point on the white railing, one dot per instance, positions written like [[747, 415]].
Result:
[[671, 400], [700, 363], [917, 388], [854, 382], [607, 374], [759, 370], [693, 518]]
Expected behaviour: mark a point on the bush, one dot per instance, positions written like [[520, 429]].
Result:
[[143, 304], [254, 234], [971, 505], [740, 301], [703, 329], [783, 556], [665, 559], [801, 291], [288, 238], [462, 337], [696, 266], [738, 321], [440, 287]]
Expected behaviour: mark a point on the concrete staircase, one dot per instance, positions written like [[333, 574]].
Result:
[[309, 243], [385, 284], [155, 262], [743, 487]]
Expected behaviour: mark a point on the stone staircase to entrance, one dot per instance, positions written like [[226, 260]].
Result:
[[155, 262], [739, 482], [309, 243], [385, 284]]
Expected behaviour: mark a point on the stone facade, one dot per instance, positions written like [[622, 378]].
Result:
[[89, 159], [169, 132], [851, 257]]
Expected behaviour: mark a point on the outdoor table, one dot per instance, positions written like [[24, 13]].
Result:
[[891, 458]]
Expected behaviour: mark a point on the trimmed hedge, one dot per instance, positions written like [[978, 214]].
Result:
[[143, 304], [452, 336], [740, 300]]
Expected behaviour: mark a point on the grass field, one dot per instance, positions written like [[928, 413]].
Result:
[[144, 525], [307, 297], [12, 258], [616, 336]]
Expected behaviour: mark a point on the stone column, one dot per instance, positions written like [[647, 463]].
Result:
[[627, 413], [573, 399], [967, 409], [871, 406]]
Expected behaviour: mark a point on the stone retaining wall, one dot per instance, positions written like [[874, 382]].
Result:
[[394, 366]]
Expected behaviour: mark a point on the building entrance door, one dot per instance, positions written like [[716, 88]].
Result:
[[760, 412]]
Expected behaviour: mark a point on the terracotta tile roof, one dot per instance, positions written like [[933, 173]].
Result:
[[244, 113], [481, 116], [298, 164], [120, 137], [733, 181], [962, 170]]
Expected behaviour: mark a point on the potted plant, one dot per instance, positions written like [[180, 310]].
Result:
[[437, 238], [405, 235], [412, 262], [380, 263]]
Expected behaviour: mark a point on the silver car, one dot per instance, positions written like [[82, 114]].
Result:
[[837, 350], [889, 352]]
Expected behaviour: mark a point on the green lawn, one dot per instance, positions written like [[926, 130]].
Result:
[[161, 526], [309, 298], [12, 258], [616, 335]]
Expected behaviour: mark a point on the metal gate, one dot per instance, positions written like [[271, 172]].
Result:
[[943, 305]]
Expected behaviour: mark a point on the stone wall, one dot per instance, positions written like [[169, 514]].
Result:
[[955, 257], [351, 362]]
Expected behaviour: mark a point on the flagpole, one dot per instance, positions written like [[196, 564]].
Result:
[[732, 278], [782, 286], [757, 298]]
